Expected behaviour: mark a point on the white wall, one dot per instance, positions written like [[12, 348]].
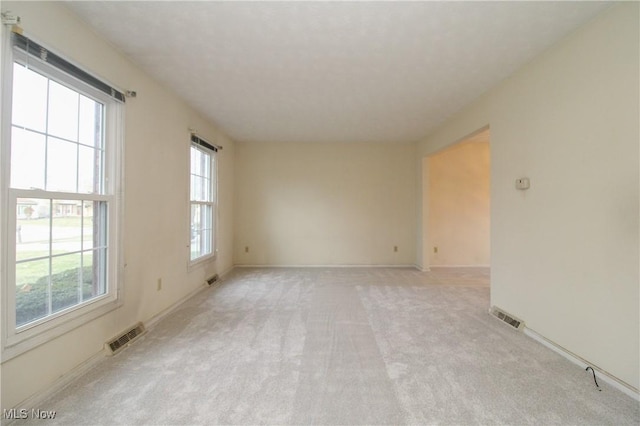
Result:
[[458, 197], [326, 204], [156, 202], [564, 254]]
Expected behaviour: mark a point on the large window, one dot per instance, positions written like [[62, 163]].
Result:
[[203, 200], [61, 195]]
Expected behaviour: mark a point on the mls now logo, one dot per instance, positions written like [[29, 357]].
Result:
[[22, 413], [14, 413]]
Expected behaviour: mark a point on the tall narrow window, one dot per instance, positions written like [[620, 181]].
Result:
[[61, 195], [203, 200]]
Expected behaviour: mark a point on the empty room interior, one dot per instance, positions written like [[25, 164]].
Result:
[[320, 212]]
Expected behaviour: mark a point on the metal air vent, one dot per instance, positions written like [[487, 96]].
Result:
[[125, 339], [507, 318]]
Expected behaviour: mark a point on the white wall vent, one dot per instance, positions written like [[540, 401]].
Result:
[[213, 279], [125, 339], [509, 319]]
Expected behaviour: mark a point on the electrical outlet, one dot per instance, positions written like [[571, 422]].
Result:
[[395, 248], [522, 183], [435, 249], [246, 249], [10, 19], [159, 284]]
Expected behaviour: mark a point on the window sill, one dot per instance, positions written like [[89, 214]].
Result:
[[31, 338]]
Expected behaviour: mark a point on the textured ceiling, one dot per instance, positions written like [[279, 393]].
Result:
[[332, 71]]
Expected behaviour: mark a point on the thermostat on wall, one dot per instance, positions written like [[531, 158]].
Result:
[[522, 183]]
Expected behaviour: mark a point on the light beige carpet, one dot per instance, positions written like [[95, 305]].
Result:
[[340, 346]]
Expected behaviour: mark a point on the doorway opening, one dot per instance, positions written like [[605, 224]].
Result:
[[456, 196]]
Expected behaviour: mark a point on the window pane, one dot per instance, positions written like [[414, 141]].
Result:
[[29, 107], [194, 155], [66, 228], [201, 184], [89, 166], [206, 189], [62, 165], [32, 228], [89, 276], [63, 111], [207, 213], [94, 273], [200, 189], [207, 226], [100, 224], [201, 230], [195, 245], [87, 225], [90, 126], [65, 281], [27, 159], [198, 162], [192, 187], [195, 231], [205, 246], [195, 216], [206, 166], [32, 290]]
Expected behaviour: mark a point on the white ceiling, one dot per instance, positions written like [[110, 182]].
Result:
[[332, 71]]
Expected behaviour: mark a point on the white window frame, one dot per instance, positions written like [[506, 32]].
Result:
[[17, 340], [213, 203]]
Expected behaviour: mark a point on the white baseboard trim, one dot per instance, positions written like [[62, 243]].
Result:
[[326, 266], [583, 363], [151, 322], [154, 320], [36, 400], [413, 265], [421, 269], [460, 266], [227, 271]]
